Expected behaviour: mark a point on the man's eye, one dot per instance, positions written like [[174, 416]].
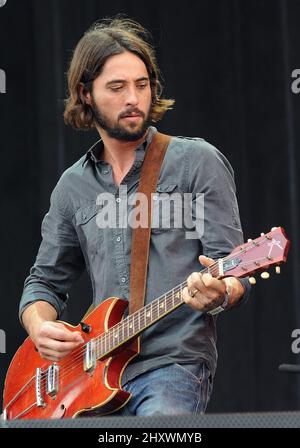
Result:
[[142, 86], [116, 88]]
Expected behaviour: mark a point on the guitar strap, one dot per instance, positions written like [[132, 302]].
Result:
[[141, 235]]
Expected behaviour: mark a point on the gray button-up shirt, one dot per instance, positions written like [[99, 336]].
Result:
[[75, 237]]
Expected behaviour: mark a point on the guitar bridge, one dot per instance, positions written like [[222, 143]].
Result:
[[90, 360], [52, 380], [38, 393]]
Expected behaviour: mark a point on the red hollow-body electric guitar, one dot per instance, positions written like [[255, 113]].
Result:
[[88, 380]]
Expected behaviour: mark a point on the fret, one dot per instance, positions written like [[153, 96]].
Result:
[[116, 335], [97, 347], [140, 320], [156, 309], [130, 328], [101, 345], [176, 298], [148, 315], [125, 330], [161, 307], [111, 339], [108, 340]]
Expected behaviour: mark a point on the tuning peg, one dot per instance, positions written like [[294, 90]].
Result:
[[249, 240], [265, 275], [277, 269], [252, 280], [274, 228]]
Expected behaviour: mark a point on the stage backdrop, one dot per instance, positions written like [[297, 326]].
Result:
[[232, 67]]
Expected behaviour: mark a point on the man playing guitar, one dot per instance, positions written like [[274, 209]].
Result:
[[114, 87]]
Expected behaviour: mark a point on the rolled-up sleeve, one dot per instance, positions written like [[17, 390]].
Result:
[[211, 174], [59, 261]]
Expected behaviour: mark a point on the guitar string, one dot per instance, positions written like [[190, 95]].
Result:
[[134, 318], [169, 299], [107, 338], [228, 258], [79, 359], [64, 364], [65, 375], [67, 363], [65, 369]]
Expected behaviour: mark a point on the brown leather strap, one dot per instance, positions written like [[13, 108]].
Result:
[[141, 235]]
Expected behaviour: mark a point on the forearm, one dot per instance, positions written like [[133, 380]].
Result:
[[37, 313]]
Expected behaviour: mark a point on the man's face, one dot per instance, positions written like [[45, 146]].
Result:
[[121, 97]]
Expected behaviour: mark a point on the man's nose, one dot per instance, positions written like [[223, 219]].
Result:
[[132, 97]]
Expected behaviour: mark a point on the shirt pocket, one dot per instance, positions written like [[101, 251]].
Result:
[[167, 208], [89, 233]]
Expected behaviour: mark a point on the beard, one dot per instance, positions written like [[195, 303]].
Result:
[[131, 132]]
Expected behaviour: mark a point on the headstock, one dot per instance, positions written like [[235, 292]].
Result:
[[257, 255]]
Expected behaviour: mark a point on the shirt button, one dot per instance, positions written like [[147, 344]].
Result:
[[119, 238], [123, 279], [118, 200]]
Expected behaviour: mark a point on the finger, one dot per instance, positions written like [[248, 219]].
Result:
[[206, 261], [204, 284], [214, 285], [51, 355], [204, 291], [195, 282], [66, 334], [58, 346], [60, 333], [186, 295], [198, 303]]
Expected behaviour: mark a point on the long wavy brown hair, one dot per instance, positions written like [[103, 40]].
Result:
[[104, 39]]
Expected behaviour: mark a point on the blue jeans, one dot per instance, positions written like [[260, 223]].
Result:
[[171, 390]]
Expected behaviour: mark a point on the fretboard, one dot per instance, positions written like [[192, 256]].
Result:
[[134, 324]]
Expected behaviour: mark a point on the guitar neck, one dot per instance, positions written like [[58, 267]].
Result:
[[267, 250], [134, 324]]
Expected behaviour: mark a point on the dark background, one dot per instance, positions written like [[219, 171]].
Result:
[[228, 64]]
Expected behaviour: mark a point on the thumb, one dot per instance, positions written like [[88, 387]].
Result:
[[78, 336], [206, 261]]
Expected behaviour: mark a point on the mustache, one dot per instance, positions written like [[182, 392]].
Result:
[[132, 111]]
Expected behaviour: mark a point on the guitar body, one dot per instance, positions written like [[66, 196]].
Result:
[[80, 392]]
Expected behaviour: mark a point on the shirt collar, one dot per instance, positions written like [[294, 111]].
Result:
[[94, 153]]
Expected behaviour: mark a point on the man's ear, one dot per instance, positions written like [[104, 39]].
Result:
[[85, 95]]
